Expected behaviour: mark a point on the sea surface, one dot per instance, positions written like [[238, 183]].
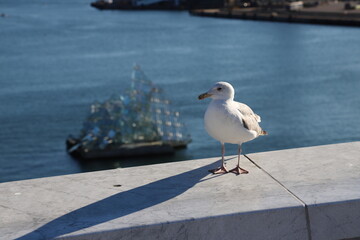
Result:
[[57, 57]]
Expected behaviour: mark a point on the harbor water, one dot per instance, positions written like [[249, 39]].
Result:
[[57, 57]]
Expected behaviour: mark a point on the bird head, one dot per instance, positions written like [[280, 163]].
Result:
[[221, 90]]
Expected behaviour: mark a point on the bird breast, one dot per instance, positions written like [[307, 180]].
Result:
[[224, 123]]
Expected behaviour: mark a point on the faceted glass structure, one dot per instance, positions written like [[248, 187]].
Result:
[[142, 114]]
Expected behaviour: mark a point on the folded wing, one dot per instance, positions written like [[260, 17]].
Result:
[[250, 119]]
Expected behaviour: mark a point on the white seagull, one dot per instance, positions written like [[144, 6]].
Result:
[[229, 121]]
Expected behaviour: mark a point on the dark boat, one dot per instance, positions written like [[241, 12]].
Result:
[[139, 4]]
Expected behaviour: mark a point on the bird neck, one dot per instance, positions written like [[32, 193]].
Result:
[[223, 98], [221, 101]]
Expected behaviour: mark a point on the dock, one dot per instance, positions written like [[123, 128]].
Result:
[[302, 193], [331, 13]]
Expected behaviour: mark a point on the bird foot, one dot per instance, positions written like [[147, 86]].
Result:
[[238, 170], [220, 170]]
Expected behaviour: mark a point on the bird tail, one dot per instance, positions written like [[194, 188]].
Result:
[[263, 132]]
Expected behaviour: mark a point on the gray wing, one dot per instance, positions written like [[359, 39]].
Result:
[[250, 119]]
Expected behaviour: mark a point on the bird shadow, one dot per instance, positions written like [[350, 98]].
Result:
[[121, 204]]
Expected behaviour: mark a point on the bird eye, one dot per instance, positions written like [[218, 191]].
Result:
[[219, 88]]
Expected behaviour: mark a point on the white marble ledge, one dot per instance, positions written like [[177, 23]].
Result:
[[174, 201], [166, 201], [327, 179]]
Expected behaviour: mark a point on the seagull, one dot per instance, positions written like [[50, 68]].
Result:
[[229, 121]]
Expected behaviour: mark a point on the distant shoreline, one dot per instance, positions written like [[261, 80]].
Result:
[[330, 14]]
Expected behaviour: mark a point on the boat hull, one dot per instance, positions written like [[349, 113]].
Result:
[[123, 151]]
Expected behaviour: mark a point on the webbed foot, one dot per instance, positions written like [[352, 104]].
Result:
[[220, 170], [238, 170]]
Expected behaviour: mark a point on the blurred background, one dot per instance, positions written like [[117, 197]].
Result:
[[59, 56]]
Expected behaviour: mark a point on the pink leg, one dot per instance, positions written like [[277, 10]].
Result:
[[222, 169], [238, 170]]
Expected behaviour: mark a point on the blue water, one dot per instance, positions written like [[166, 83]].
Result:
[[56, 57]]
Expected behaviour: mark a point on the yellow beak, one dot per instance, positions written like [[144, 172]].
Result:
[[204, 95]]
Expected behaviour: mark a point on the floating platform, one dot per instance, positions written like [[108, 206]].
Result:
[[139, 122], [126, 150]]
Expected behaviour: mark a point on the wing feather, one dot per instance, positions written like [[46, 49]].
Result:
[[250, 119]]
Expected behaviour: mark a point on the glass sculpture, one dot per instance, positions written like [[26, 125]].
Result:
[[142, 114]]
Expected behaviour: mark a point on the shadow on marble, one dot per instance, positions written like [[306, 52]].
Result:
[[120, 204]]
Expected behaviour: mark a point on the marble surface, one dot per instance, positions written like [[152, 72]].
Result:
[[167, 201], [304, 193], [327, 179]]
